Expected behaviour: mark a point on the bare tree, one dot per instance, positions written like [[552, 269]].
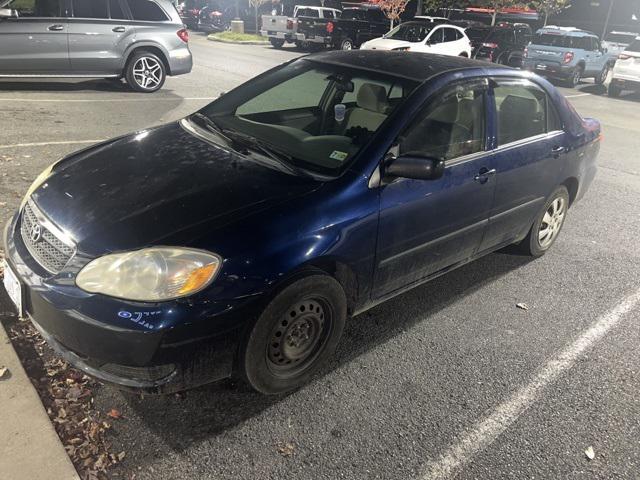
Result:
[[550, 7], [433, 6], [392, 9]]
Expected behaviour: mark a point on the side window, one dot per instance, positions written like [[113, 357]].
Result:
[[449, 35], [90, 9], [146, 10], [451, 126], [458, 34], [36, 8], [116, 10], [596, 44], [522, 112], [436, 36], [554, 122], [328, 14]]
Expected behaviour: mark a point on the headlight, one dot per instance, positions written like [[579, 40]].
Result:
[[150, 275]]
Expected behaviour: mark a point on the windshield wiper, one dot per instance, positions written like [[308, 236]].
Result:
[[212, 126]]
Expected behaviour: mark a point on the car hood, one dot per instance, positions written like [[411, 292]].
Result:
[[386, 44], [160, 186]]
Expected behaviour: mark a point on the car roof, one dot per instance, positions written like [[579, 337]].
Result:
[[571, 31], [413, 66]]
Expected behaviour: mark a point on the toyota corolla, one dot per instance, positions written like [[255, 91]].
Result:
[[238, 240]]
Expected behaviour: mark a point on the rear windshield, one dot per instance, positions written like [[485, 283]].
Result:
[[307, 12], [476, 34], [500, 35], [410, 32], [634, 47], [620, 38], [559, 40]]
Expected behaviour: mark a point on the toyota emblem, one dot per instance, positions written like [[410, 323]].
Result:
[[36, 233]]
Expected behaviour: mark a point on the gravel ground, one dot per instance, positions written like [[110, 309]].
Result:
[[414, 375]]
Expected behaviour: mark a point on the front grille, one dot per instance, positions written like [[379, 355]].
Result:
[[46, 247]]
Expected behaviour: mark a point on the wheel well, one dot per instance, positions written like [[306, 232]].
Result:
[[343, 274], [464, 54], [571, 185], [581, 65], [150, 49]]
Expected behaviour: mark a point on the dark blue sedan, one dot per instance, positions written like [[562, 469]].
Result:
[[239, 239]]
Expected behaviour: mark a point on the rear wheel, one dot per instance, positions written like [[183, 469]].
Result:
[[614, 90], [547, 225], [602, 77], [145, 72], [575, 77], [347, 44], [294, 335], [276, 42]]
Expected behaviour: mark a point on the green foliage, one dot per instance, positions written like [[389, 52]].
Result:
[[238, 37]]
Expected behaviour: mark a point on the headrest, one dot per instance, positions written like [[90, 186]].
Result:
[[513, 104], [373, 97]]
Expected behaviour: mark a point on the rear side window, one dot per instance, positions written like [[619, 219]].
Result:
[[328, 14], [450, 35], [36, 8], [307, 12], [146, 10], [522, 112], [116, 11], [90, 9]]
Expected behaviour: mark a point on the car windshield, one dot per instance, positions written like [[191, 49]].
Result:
[[306, 114], [410, 32], [555, 40], [634, 47], [615, 37]]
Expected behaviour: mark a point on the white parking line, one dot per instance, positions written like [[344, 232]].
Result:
[[44, 144], [487, 430], [88, 100], [578, 95]]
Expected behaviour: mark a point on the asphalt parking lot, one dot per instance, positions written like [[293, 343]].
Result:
[[450, 380]]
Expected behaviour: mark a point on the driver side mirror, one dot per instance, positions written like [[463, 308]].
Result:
[[415, 166]]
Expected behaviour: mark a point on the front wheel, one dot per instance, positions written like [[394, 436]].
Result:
[[295, 335], [547, 225], [276, 42], [145, 72], [600, 79], [347, 44]]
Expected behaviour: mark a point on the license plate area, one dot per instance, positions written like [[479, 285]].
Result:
[[13, 287]]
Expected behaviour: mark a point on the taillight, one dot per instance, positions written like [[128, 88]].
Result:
[[567, 57], [525, 54], [624, 56], [490, 45], [329, 27], [184, 35], [289, 24]]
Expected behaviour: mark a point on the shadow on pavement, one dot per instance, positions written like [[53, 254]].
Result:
[[99, 85], [203, 413]]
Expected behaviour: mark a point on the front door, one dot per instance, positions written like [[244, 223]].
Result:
[[35, 40], [428, 225], [99, 34], [528, 159]]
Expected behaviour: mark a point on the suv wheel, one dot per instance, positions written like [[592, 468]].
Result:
[[276, 42], [600, 79], [145, 72], [574, 80], [294, 336]]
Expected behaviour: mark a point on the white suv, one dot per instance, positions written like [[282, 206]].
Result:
[[424, 36], [626, 71]]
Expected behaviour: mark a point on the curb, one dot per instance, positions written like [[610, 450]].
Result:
[[29, 445], [236, 42]]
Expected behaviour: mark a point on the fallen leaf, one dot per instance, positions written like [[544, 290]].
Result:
[[590, 453], [113, 413], [121, 456], [522, 306], [3, 371], [286, 450]]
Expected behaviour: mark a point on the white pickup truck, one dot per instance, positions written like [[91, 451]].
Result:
[[281, 28]]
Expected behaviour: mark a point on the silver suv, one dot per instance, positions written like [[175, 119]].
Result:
[[142, 41]]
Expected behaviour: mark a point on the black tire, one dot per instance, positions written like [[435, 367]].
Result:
[[602, 76], [276, 42], [136, 75], [310, 314], [533, 244], [575, 77], [614, 90], [347, 44]]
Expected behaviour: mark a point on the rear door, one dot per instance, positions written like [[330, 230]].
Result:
[[36, 41], [528, 158], [99, 34]]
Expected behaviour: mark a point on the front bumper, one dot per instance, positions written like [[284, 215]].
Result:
[[157, 348], [626, 82]]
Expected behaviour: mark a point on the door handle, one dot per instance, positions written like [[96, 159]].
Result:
[[118, 29], [56, 28], [556, 151], [483, 175]]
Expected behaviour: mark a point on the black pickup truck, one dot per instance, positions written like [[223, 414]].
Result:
[[354, 27]]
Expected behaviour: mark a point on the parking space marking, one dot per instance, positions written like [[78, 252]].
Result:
[[491, 427], [44, 144], [578, 95], [87, 100]]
